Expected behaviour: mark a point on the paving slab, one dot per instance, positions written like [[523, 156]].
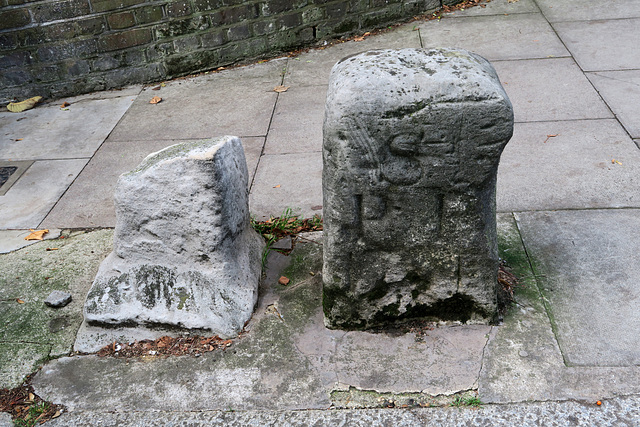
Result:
[[568, 10], [20, 359], [51, 132], [603, 45], [277, 361], [550, 89], [11, 240], [587, 264], [523, 360], [623, 411], [588, 164], [231, 102], [313, 67], [621, 92], [287, 181], [88, 202], [32, 273], [496, 7], [517, 36], [297, 122], [31, 198]]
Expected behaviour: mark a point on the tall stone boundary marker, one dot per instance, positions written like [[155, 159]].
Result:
[[412, 142], [185, 256]]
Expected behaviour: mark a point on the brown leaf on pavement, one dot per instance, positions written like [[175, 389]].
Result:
[[65, 104], [281, 88], [283, 280], [155, 100], [36, 234]]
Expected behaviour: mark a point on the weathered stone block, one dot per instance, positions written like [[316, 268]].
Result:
[[184, 253], [412, 141]]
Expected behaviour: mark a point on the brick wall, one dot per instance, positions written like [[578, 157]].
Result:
[[57, 48]]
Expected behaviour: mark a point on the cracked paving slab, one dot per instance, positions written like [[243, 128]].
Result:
[[285, 360], [31, 332]]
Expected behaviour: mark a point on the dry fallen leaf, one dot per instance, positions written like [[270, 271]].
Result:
[[281, 89], [56, 415], [36, 234], [283, 280], [156, 88], [155, 100], [19, 301], [277, 186], [27, 104], [65, 104], [51, 249], [551, 136]]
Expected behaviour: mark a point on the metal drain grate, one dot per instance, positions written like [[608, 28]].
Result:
[[10, 172], [5, 173]]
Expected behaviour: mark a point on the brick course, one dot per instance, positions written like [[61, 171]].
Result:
[[57, 48]]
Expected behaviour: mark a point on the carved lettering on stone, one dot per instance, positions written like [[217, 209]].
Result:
[[412, 142]]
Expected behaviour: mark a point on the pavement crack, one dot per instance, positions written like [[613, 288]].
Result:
[[476, 383]]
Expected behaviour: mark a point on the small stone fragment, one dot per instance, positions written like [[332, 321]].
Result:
[[284, 244], [58, 299]]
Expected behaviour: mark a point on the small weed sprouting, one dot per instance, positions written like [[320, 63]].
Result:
[[472, 401], [286, 224]]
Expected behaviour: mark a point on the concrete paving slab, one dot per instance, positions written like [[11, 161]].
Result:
[[605, 45], [523, 361], [277, 361], [587, 265], [568, 10], [31, 198], [226, 103], [297, 122], [621, 91], [517, 36], [623, 410], [12, 240], [51, 132], [496, 7], [287, 181], [88, 202], [19, 359], [313, 67], [32, 273], [550, 89], [589, 164], [369, 361]]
